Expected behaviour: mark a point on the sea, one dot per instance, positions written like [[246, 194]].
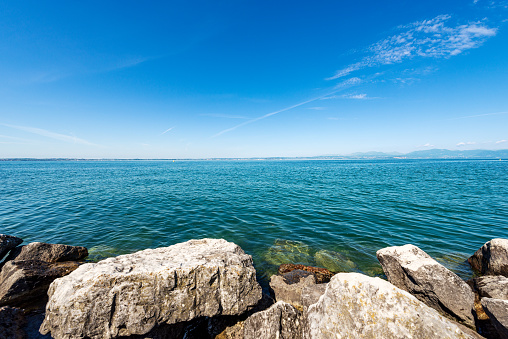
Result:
[[328, 213]]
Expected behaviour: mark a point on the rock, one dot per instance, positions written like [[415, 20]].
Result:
[[11, 323], [492, 286], [301, 294], [497, 311], [334, 261], [322, 275], [284, 251], [358, 306], [295, 276], [491, 258], [413, 270], [281, 320], [24, 283], [48, 252], [131, 294], [7, 243]]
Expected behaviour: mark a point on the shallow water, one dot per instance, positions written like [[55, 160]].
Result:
[[334, 214]]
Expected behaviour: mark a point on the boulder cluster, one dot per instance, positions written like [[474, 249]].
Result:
[[207, 289]]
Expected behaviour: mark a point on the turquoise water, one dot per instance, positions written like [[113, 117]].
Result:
[[334, 214]]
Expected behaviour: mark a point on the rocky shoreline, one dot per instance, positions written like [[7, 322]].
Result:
[[207, 288]]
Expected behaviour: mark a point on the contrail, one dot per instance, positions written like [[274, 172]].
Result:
[[166, 131], [276, 112], [478, 115]]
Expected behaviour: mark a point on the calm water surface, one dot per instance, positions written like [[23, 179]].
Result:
[[334, 214]]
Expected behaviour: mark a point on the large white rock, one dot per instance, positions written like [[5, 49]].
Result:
[[358, 306], [413, 270], [131, 294]]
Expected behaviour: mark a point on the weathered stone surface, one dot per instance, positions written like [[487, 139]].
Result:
[[130, 294], [358, 306], [498, 313], [7, 243], [491, 258], [322, 275], [302, 294], [413, 270], [24, 283], [281, 320], [295, 276], [11, 323], [492, 286], [48, 252]]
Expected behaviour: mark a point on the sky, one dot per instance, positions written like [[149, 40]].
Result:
[[231, 79]]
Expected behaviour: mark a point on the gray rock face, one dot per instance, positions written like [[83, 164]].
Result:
[[413, 270], [492, 286], [7, 243], [301, 295], [281, 320], [11, 323], [24, 283], [130, 294], [357, 306], [498, 313], [491, 258], [48, 252]]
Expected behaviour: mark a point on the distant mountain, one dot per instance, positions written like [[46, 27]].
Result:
[[432, 154]]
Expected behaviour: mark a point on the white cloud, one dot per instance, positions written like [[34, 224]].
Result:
[[52, 135], [317, 108], [361, 96], [429, 39], [427, 145], [501, 141], [460, 144]]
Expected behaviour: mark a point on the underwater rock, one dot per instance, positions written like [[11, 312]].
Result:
[[413, 270], [334, 261], [131, 294], [491, 258], [285, 251]]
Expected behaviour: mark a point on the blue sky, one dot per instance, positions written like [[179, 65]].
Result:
[[199, 79]]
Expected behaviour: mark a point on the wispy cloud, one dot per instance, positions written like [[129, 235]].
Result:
[[433, 38], [225, 116], [478, 115], [427, 145], [51, 135], [501, 141], [317, 108], [166, 131], [460, 144], [361, 96]]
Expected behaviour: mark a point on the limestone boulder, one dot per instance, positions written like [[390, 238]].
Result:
[[24, 283], [411, 269], [7, 243], [300, 294], [131, 294], [492, 286], [281, 321], [497, 311], [358, 306], [48, 252], [491, 258]]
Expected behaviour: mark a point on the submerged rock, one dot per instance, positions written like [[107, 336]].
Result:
[[131, 294], [413, 270], [334, 261], [48, 252], [284, 251], [322, 275], [357, 306], [24, 283], [497, 311], [7, 243], [492, 286], [491, 258]]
